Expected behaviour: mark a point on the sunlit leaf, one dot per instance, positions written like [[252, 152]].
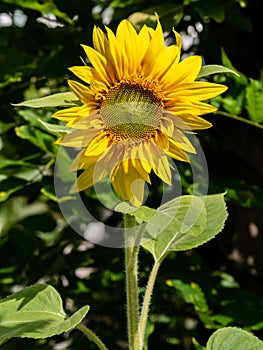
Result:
[[54, 128], [180, 224], [214, 69], [35, 312], [230, 338], [63, 99]]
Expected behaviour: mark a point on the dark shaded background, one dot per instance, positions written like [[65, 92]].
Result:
[[36, 245]]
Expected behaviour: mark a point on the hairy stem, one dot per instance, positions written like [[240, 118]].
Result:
[[92, 336], [147, 299], [132, 239]]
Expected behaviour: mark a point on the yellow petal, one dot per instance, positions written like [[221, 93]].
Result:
[[99, 62], [99, 39], [93, 119], [128, 186], [186, 106], [161, 165], [155, 48], [83, 93], [161, 140], [67, 114], [197, 90], [79, 138], [95, 173], [119, 184], [177, 153], [185, 71], [167, 126], [98, 145], [181, 141], [127, 38], [82, 72], [116, 57], [188, 121]]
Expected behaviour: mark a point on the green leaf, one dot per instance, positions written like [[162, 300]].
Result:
[[240, 78], [197, 345], [193, 294], [208, 9], [35, 312], [62, 99], [231, 338], [6, 163], [46, 7], [183, 223], [254, 101], [54, 128], [9, 185], [214, 69], [39, 138]]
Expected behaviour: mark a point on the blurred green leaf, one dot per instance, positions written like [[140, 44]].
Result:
[[44, 8], [62, 99], [197, 345], [240, 78], [254, 100], [233, 338], [8, 186], [233, 104], [193, 294], [214, 9], [39, 138], [35, 312]]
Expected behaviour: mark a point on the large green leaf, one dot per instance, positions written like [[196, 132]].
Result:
[[183, 223], [62, 99], [35, 312], [214, 69], [232, 338]]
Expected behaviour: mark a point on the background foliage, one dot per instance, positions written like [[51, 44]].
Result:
[[216, 285]]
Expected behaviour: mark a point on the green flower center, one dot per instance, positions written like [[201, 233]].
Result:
[[131, 111]]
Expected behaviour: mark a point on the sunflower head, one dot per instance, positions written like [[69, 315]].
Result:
[[137, 99]]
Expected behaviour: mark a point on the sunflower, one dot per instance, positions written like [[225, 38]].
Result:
[[137, 100]]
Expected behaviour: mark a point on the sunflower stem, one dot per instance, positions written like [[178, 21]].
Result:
[[147, 298], [132, 239], [92, 336], [243, 120]]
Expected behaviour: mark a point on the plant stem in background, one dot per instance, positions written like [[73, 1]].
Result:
[[236, 117]]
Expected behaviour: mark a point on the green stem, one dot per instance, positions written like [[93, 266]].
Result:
[[92, 336], [236, 117], [132, 240], [147, 298]]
